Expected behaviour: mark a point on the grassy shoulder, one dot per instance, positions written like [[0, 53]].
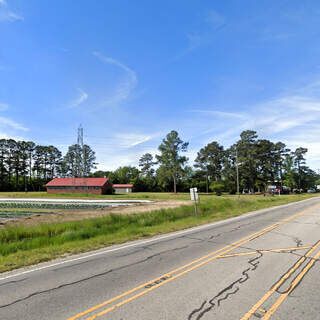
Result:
[[25, 245]]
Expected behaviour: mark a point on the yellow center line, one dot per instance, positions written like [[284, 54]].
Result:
[[296, 281], [164, 282], [232, 246], [104, 312], [280, 282], [222, 251]]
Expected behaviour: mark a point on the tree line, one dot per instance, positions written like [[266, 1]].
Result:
[[256, 163], [25, 166]]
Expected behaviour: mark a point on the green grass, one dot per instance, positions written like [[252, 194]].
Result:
[[133, 195], [24, 245]]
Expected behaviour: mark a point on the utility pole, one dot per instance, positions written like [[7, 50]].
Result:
[[237, 169]]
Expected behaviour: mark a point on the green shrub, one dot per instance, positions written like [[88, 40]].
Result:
[[218, 188]]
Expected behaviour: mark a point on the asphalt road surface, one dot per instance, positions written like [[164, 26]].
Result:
[[263, 265]]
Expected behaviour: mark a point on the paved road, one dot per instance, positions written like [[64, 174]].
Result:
[[259, 266]]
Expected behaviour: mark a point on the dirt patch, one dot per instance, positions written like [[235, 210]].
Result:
[[72, 215]]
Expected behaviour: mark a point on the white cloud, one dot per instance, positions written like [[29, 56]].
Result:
[[125, 88], [220, 113], [4, 135], [293, 118], [83, 96], [128, 140], [6, 15], [140, 141], [120, 157], [121, 149], [10, 123], [289, 112]]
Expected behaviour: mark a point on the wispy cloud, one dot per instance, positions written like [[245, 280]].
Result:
[[212, 22], [125, 88], [12, 124], [126, 150], [3, 106], [214, 18], [276, 36], [129, 140], [220, 113], [293, 117], [140, 141], [6, 123], [83, 96], [6, 15]]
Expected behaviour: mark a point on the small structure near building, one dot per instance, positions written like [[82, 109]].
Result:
[[122, 188], [80, 185]]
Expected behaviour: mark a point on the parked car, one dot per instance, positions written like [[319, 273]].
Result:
[[311, 191]]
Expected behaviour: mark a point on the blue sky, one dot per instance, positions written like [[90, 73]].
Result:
[[131, 71]]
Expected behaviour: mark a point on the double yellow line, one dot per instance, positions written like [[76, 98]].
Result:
[[276, 286], [174, 274]]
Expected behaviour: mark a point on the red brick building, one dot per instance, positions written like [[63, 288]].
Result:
[[80, 185]]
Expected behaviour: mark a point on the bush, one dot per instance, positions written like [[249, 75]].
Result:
[[217, 188]]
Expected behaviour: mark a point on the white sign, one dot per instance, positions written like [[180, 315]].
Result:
[[194, 194]]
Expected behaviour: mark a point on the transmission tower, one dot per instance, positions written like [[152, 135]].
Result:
[[80, 136], [81, 159]]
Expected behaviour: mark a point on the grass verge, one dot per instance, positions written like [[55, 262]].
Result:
[[25, 245]]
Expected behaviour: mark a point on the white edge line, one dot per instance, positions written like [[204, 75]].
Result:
[[171, 235]]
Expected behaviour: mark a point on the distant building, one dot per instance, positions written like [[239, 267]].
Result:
[[122, 188], [80, 185]]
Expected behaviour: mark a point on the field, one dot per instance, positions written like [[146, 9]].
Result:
[[133, 195], [23, 244]]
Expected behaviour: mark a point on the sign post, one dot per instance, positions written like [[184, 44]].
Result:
[[194, 196]]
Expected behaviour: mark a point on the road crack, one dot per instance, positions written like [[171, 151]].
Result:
[[215, 302], [89, 278]]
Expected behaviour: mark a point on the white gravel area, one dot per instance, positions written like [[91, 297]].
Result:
[[71, 200]]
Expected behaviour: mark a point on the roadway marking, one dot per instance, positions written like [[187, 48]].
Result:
[[264, 251], [251, 312], [174, 274], [295, 282]]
